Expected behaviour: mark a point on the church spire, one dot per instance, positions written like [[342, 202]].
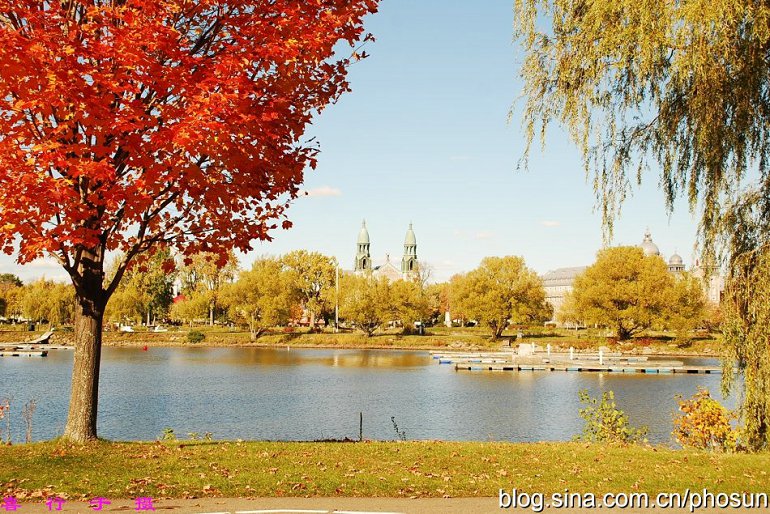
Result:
[[363, 257], [409, 261]]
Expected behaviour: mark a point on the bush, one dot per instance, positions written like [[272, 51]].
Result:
[[705, 424], [195, 337], [604, 422]]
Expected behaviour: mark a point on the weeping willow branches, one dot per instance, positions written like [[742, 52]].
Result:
[[678, 89]]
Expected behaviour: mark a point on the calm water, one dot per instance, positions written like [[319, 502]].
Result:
[[253, 393]]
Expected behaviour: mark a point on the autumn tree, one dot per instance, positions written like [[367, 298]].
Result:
[[678, 89], [314, 275], [438, 299], [746, 317], [687, 306], [9, 280], [409, 303], [261, 297], [624, 290], [10, 285], [189, 308], [205, 276], [365, 301], [129, 124], [146, 290], [500, 291], [46, 300]]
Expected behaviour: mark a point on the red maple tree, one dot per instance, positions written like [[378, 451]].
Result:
[[130, 124]]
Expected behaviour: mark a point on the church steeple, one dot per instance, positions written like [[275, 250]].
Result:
[[409, 261], [363, 257]]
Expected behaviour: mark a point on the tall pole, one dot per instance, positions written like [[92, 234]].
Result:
[[337, 300]]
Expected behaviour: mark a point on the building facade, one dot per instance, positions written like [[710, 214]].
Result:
[[409, 269]]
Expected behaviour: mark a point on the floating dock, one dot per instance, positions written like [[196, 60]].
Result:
[[5, 347], [649, 369], [23, 353], [581, 362]]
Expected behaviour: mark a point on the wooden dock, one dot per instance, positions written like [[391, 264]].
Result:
[[38, 347], [579, 362], [4, 347], [649, 369], [23, 353]]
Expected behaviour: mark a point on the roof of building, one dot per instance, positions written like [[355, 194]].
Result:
[[363, 234], [387, 269], [562, 276], [675, 260], [410, 240], [647, 246]]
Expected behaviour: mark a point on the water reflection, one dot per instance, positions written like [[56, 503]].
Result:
[[258, 393]]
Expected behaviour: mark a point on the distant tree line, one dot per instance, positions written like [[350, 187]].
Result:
[[41, 301], [624, 291]]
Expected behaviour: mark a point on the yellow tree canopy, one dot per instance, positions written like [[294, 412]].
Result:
[[624, 290], [499, 291]]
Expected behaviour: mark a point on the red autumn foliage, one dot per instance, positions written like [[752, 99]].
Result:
[[129, 124]]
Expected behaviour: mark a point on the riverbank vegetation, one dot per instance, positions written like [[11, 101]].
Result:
[[280, 298], [422, 468], [435, 338]]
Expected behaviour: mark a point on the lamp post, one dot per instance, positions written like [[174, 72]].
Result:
[[337, 300]]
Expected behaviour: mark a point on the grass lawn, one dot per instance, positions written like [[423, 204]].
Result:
[[395, 469]]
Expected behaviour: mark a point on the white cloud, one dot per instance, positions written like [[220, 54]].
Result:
[[550, 223], [44, 263], [39, 268], [323, 191], [484, 234]]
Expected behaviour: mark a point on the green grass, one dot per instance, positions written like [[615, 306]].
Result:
[[252, 469]]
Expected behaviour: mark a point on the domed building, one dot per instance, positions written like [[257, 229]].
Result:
[[557, 283], [675, 263], [647, 246], [409, 266]]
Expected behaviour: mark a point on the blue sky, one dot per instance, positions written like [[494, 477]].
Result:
[[424, 137]]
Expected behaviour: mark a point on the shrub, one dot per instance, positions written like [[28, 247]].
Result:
[[705, 423], [604, 422], [195, 337]]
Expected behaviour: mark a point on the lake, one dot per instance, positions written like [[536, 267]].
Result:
[[308, 394]]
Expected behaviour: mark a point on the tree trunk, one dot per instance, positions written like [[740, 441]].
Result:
[[91, 297], [89, 316], [624, 333], [81, 420], [497, 330], [211, 314]]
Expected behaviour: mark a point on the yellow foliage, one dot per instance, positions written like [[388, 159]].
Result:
[[705, 423]]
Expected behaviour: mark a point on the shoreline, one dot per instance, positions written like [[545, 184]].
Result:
[[305, 346], [438, 341]]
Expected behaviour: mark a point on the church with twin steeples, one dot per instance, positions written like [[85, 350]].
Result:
[[363, 262]]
